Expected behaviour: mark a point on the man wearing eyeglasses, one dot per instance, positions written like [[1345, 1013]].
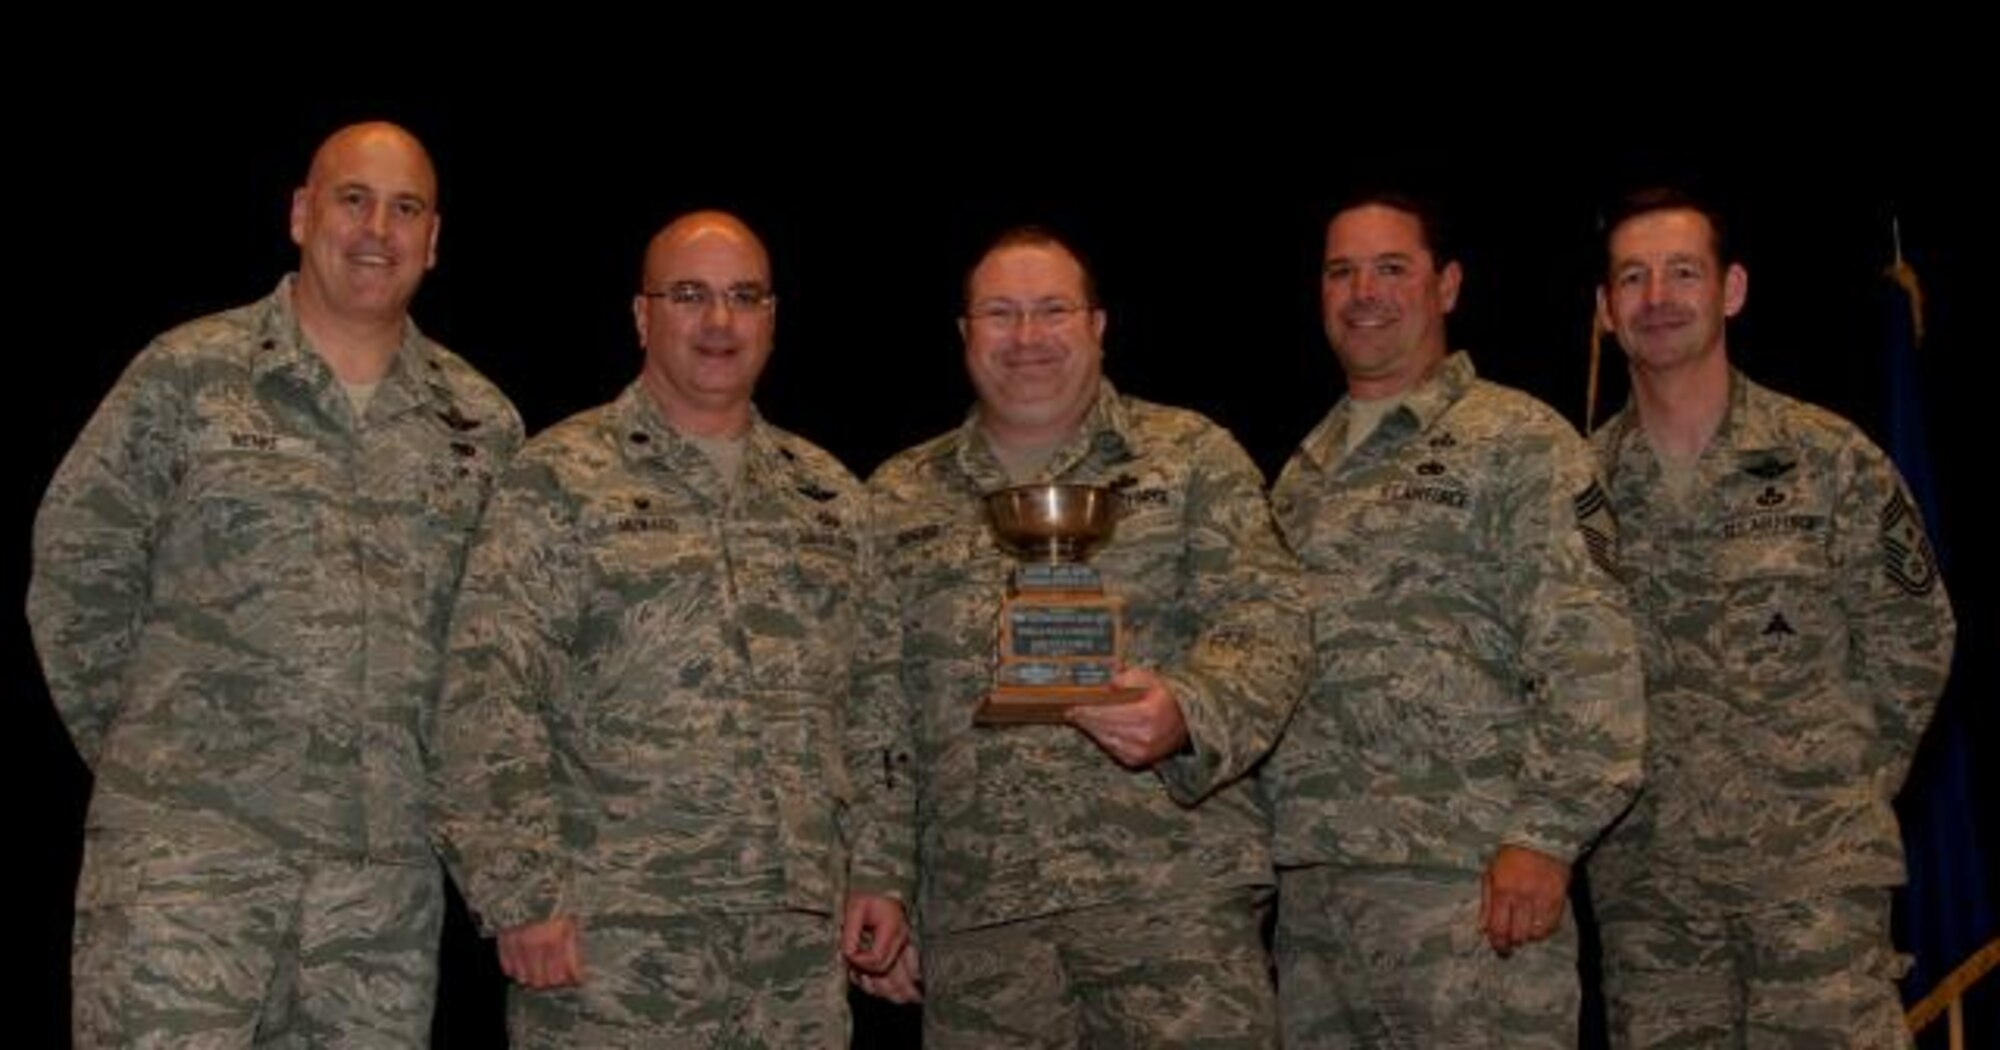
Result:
[[642, 781], [1099, 883], [243, 571], [1477, 720]]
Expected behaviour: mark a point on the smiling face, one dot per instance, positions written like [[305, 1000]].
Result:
[[1383, 299], [1667, 294], [1033, 343], [366, 224], [706, 319]]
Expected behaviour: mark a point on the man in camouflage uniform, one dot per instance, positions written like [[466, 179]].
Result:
[[1098, 883], [1799, 638], [642, 777], [243, 572], [1477, 719]]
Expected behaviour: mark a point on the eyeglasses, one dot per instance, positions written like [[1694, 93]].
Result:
[[1049, 313], [695, 297]]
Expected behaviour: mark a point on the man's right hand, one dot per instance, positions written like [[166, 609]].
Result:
[[902, 983], [547, 954]]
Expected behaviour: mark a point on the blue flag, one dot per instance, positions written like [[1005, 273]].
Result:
[[1947, 911]]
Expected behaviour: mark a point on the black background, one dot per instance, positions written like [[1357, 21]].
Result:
[[1199, 198]]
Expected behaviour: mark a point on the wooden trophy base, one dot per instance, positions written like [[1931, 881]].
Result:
[[1025, 705]]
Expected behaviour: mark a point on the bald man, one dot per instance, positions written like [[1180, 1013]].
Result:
[[242, 575], [643, 789]]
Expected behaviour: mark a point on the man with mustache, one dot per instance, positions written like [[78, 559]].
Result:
[[1799, 638], [1100, 883], [243, 572], [642, 776], [1477, 720]]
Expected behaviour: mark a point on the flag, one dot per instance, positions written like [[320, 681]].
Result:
[[1946, 912]]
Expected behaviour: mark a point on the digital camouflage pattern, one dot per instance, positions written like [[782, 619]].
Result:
[[1395, 958], [1188, 971], [644, 716], [1478, 686], [1798, 637], [695, 982], [1021, 821], [240, 596], [1031, 835], [1478, 682]]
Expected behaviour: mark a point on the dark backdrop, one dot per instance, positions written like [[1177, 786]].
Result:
[[1202, 211]]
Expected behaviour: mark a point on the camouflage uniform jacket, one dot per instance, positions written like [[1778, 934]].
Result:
[[1478, 680], [1798, 635], [1023, 821], [643, 706], [241, 591]]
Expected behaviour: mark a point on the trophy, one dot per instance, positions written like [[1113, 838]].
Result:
[[1060, 636]]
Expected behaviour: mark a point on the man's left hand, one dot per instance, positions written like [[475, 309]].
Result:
[[1140, 732]]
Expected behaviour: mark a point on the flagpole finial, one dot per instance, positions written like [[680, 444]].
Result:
[[1905, 277]]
